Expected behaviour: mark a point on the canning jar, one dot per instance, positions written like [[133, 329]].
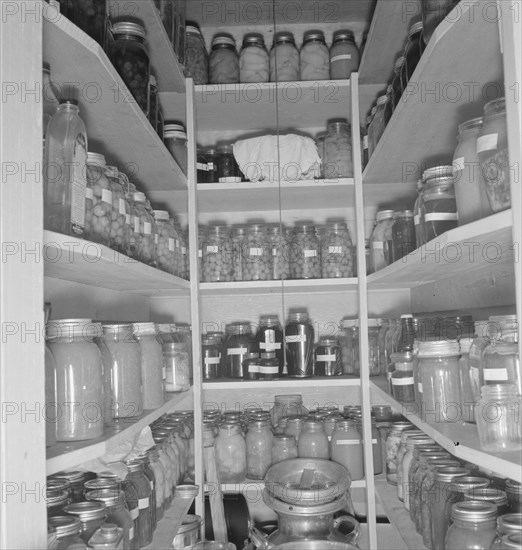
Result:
[[338, 162], [473, 526], [421, 455], [337, 253], [98, 201], [379, 253], [226, 165], [314, 58], [403, 234], [507, 524], [284, 58], [381, 343], [151, 365], [136, 477], [165, 247], [306, 255], [402, 382], [223, 64], [92, 17], [251, 366], [175, 139], [159, 480], [283, 448], [269, 338], [299, 344], [514, 494], [50, 413], [56, 496], [313, 442], [328, 357], [470, 187], [287, 405], [347, 338], [201, 166], [177, 370], [217, 255], [196, 59], [374, 328], [143, 235], [280, 254], [131, 60], [92, 515], [347, 448], [254, 63], [211, 358], [392, 448], [79, 378], [120, 225], [489, 494], [433, 12], [438, 207], [378, 124], [397, 82], [256, 257], [344, 55], [404, 456], [259, 440], [413, 50], [231, 453], [239, 342], [68, 529], [121, 372]]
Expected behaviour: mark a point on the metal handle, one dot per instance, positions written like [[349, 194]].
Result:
[[354, 534], [259, 539]]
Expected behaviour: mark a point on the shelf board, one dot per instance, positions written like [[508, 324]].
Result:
[[64, 456], [250, 288], [303, 383], [423, 129], [458, 438], [115, 124], [481, 244], [72, 259], [257, 486], [163, 60]]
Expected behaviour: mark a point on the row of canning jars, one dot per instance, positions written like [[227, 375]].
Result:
[[109, 372], [433, 485], [284, 63], [261, 253], [79, 503]]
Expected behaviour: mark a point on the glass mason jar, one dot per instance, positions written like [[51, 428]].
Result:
[[473, 527], [50, 414], [507, 524], [210, 153], [397, 82], [201, 166], [402, 381], [284, 58], [269, 338], [338, 161], [378, 124], [413, 50], [299, 344], [328, 357], [254, 62], [231, 453], [284, 447], [68, 529], [226, 165], [251, 366], [417, 221], [131, 60], [403, 234], [98, 201], [56, 496], [288, 406], [470, 187], [404, 457], [349, 345], [211, 358], [239, 342], [313, 442], [438, 207], [337, 253], [165, 247], [143, 236], [177, 370], [421, 455], [121, 372], [392, 448], [378, 244], [294, 427], [175, 139], [468, 402], [344, 55], [256, 256], [381, 341], [280, 253], [141, 484], [50, 101], [92, 17], [217, 255], [151, 365], [489, 494], [79, 378], [514, 494], [347, 448], [314, 58], [306, 257], [259, 440], [223, 64], [159, 477], [119, 226], [92, 515], [196, 59], [374, 328], [433, 12]]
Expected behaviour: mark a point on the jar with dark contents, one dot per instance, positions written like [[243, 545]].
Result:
[[154, 106], [226, 165], [328, 358], [397, 87], [202, 166], [137, 478], [251, 365], [166, 10], [403, 234], [413, 50], [196, 59], [299, 343], [131, 60], [269, 338], [223, 64], [211, 358], [269, 366], [92, 17], [438, 207], [239, 342], [212, 176]]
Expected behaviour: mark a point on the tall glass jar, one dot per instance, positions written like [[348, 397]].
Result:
[[79, 378], [284, 58], [280, 253], [269, 338], [338, 162], [347, 448], [120, 227], [344, 55], [307, 251], [468, 402], [254, 62], [337, 253], [413, 50], [299, 343], [403, 234], [284, 447], [177, 370], [378, 124], [404, 458], [392, 448], [290, 406], [314, 57], [217, 255], [239, 342], [196, 59], [165, 247], [137, 478], [159, 478], [256, 257], [347, 338], [211, 358], [175, 138], [231, 453], [378, 244], [223, 64], [226, 166], [131, 60], [151, 365], [143, 230], [474, 526], [421, 455], [402, 381], [259, 440], [374, 328], [313, 442], [439, 207], [98, 201]]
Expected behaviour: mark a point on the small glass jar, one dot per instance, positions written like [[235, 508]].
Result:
[[259, 440], [402, 382], [226, 165], [177, 370], [211, 358], [328, 357], [337, 252], [217, 255], [289, 406], [306, 262], [196, 59], [231, 453], [299, 344], [514, 494], [223, 64], [473, 526], [284, 58], [98, 201], [313, 442], [239, 342], [379, 253], [254, 62], [151, 365], [284, 447], [251, 366], [256, 256], [438, 207], [68, 531], [314, 58], [269, 366], [403, 234], [131, 60], [349, 345], [175, 139], [344, 55], [338, 161], [347, 448]]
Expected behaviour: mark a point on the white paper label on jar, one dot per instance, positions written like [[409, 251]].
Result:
[[374, 441], [341, 57], [128, 219], [326, 357], [232, 179], [268, 370], [202, 166], [378, 245], [253, 368], [183, 250], [122, 207], [295, 338], [270, 346], [419, 386], [143, 503], [496, 374], [89, 194], [212, 360], [347, 442], [200, 253], [134, 513], [236, 351], [107, 196], [164, 373], [213, 249], [441, 216], [335, 250], [147, 228], [458, 164], [156, 238], [255, 252], [389, 375], [131, 532], [177, 243], [210, 166], [487, 142], [365, 142], [136, 224], [402, 381], [171, 244], [274, 251], [416, 219], [310, 253]]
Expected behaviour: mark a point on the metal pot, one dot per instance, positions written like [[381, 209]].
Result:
[[188, 533], [315, 545]]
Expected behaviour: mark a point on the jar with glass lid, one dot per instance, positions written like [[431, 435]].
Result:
[[337, 254], [196, 59], [313, 442], [403, 234], [299, 344], [314, 58], [98, 201], [256, 257], [344, 55], [259, 440], [151, 365], [328, 357], [338, 162], [223, 63], [217, 255], [239, 342], [306, 262], [165, 247], [231, 453], [175, 139], [284, 58], [226, 165], [378, 245], [507, 524], [254, 62], [68, 529], [473, 527], [438, 207]]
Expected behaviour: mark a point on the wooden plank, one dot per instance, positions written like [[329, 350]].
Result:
[[215, 497], [276, 385]]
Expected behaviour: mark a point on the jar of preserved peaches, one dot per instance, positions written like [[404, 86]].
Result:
[[284, 58], [338, 150], [196, 59], [98, 201], [120, 228], [307, 251], [143, 234], [314, 57], [337, 252], [254, 62], [165, 247], [217, 255], [224, 61], [256, 257]]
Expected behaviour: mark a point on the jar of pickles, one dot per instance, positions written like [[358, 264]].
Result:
[[280, 253], [223, 65], [196, 59], [307, 261], [314, 57], [338, 151], [120, 227], [284, 58], [337, 257], [131, 60], [256, 256], [254, 63], [392, 448], [344, 55], [231, 453], [217, 255], [380, 255], [165, 247], [143, 230], [175, 139], [98, 201], [438, 207]]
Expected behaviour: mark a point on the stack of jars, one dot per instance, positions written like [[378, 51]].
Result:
[[284, 63]]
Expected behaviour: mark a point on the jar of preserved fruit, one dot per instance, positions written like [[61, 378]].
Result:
[[259, 440], [473, 527], [280, 253], [299, 343], [211, 358], [438, 207], [344, 55], [378, 245], [231, 453], [392, 448], [223, 64], [79, 378], [151, 365], [421, 455], [68, 529], [159, 478], [176, 361], [92, 17], [337, 252], [404, 457], [349, 346], [284, 58], [254, 63], [217, 255], [144, 241], [239, 343], [284, 447], [374, 328], [165, 247], [201, 166], [314, 57], [98, 201], [328, 358], [347, 448], [433, 12], [175, 139], [136, 477], [131, 60], [313, 442], [119, 226], [307, 251], [338, 150], [403, 234], [290, 406], [226, 165], [196, 59], [514, 494], [413, 50], [256, 257]]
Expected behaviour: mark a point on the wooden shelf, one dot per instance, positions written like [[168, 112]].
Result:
[[257, 486], [423, 129], [72, 259], [459, 439], [481, 244], [116, 126], [64, 456], [295, 383]]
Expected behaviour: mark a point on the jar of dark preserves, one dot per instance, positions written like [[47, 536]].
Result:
[[328, 358], [92, 17], [269, 338], [227, 168], [202, 166], [438, 207], [403, 234], [299, 343], [239, 343]]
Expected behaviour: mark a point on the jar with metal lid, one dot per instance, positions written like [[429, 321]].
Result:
[[507, 524], [217, 255], [489, 494], [337, 252], [283, 448], [196, 59], [421, 455], [413, 50], [514, 494], [119, 226], [269, 338], [259, 440], [175, 139], [256, 257], [108, 537], [306, 257], [347, 339], [347, 448], [338, 162], [56, 496], [374, 328], [438, 207], [226, 165], [379, 253], [313, 442], [288, 405], [397, 83], [344, 55], [378, 124], [402, 381], [511, 541], [98, 201], [314, 58], [473, 526], [137, 478], [68, 530], [91, 514], [328, 357], [177, 370], [299, 344], [403, 234], [223, 64], [404, 457], [231, 453], [392, 448], [159, 481], [151, 365], [79, 378], [131, 60], [284, 58], [92, 17], [254, 63], [414, 448], [211, 358], [239, 342]]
